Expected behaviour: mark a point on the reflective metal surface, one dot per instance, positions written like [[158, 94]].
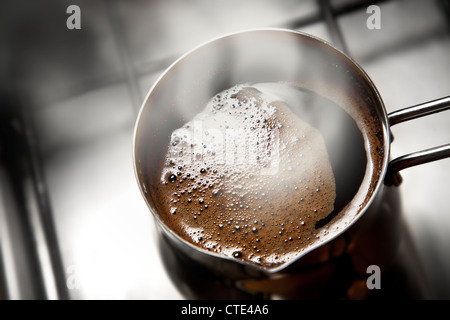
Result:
[[72, 220], [420, 157]]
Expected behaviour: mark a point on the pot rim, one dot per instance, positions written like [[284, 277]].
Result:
[[382, 115]]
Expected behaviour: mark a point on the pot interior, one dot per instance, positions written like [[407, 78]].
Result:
[[278, 57]]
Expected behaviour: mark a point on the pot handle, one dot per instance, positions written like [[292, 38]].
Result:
[[393, 177]]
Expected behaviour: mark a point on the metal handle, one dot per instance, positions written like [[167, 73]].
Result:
[[393, 177]]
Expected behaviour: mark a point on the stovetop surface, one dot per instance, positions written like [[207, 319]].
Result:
[[81, 91]]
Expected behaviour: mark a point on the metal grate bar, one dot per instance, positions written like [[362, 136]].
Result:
[[130, 73], [333, 27]]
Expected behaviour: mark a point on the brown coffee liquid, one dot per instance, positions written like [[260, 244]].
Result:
[[262, 174]]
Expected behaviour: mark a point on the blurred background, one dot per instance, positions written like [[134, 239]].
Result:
[[73, 224]]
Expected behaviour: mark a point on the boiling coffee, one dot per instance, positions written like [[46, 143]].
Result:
[[265, 172]]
